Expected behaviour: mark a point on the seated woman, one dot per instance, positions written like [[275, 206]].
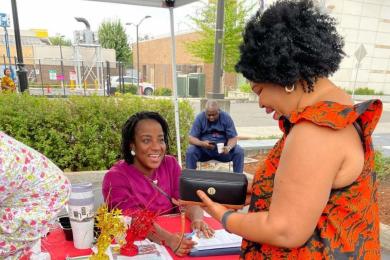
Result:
[[147, 178], [33, 190]]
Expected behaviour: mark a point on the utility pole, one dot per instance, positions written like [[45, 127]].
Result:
[[4, 22], [21, 71], [62, 65], [217, 75], [136, 29]]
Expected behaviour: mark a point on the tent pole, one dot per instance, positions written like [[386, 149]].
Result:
[[174, 81]]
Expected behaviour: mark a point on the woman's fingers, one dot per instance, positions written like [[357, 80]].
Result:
[[185, 247], [176, 202], [248, 199], [206, 200]]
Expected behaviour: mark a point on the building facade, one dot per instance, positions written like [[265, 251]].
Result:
[[42, 61], [363, 23], [156, 62]]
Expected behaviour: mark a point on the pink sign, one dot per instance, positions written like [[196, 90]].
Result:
[[60, 77]]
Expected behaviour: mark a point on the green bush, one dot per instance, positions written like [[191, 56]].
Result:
[[162, 92], [246, 88], [365, 91], [128, 88], [382, 165], [83, 133]]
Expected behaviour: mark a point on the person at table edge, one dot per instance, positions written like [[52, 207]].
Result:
[[148, 178]]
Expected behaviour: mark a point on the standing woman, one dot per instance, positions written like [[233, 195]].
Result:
[[147, 178], [315, 195], [7, 84]]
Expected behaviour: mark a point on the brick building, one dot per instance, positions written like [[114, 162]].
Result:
[[156, 62]]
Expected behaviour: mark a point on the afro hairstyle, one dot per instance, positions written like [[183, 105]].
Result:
[[290, 41]]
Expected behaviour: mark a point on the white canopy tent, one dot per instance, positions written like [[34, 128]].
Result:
[[170, 4]]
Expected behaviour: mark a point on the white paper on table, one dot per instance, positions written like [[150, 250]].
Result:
[[221, 239], [205, 214], [108, 252]]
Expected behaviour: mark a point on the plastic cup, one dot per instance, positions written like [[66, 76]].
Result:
[[220, 147], [82, 233]]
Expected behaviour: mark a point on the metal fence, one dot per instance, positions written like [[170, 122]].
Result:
[[69, 77]]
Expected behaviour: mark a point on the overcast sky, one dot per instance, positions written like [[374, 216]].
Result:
[[57, 16]]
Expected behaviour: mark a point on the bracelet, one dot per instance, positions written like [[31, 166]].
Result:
[[225, 217], [179, 244]]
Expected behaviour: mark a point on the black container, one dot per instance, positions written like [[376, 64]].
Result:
[[66, 227]]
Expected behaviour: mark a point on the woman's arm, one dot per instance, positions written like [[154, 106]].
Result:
[[180, 246], [309, 163]]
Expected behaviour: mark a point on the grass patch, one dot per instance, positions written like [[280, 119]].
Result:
[[365, 91], [382, 165]]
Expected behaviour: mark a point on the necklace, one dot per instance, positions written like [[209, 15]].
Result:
[[154, 181]]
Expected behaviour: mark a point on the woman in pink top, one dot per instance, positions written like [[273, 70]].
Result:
[[147, 178]]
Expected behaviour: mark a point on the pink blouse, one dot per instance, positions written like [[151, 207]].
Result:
[[125, 187]]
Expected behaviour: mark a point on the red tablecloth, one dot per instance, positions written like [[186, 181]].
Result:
[[59, 248]]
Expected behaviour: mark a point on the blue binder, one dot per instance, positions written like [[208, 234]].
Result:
[[216, 251]]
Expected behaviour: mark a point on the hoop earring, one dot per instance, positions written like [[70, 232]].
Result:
[[289, 89], [132, 152]]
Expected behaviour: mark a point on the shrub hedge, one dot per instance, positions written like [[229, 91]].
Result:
[[246, 88], [365, 91], [382, 165], [83, 133], [163, 92]]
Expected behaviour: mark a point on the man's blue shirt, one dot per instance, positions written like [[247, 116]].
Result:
[[218, 131]]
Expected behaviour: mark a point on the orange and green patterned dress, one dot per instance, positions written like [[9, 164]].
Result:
[[349, 224], [7, 84]]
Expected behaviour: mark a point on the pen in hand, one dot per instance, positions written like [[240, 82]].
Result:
[[190, 235]]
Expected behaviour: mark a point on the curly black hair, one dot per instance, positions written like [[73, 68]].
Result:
[[291, 41], [128, 132]]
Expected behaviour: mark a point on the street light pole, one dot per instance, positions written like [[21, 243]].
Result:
[[62, 65], [22, 72], [136, 29]]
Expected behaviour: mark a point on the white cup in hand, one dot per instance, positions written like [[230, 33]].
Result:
[[220, 147]]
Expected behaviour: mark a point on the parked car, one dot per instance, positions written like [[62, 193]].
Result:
[[146, 88]]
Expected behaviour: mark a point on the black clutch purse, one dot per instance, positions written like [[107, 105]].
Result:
[[223, 187]]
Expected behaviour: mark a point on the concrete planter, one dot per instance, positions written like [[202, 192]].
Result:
[[251, 97]]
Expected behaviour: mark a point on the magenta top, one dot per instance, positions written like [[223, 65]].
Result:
[[125, 187]]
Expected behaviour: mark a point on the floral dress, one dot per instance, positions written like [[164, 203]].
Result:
[[349, 224], [33, 190]]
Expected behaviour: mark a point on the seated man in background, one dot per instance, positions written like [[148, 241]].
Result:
[[210, 128]]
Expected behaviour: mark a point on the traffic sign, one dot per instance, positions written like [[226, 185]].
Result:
[[360, 53], [52, 74], [4, 20]]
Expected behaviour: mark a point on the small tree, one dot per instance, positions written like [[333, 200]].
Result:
[[112, 35], [234, 22], [56, 40]]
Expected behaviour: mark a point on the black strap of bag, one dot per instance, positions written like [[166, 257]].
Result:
[[160, 190]]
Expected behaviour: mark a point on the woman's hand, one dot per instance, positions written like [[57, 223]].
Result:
[[201, 227], [214, 209], [180, 246]]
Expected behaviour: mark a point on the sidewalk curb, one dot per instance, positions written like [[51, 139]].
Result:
[[384, 236]]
